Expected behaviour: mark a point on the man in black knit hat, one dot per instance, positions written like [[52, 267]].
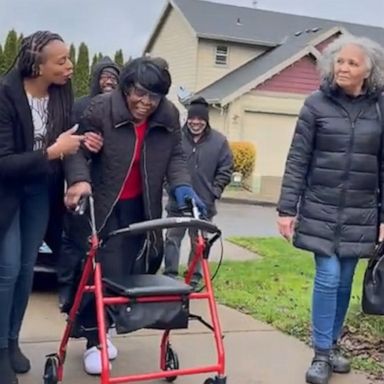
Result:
[[210, 164]]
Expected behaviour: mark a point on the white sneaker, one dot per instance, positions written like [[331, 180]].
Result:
[[92, 361], [112, 350]]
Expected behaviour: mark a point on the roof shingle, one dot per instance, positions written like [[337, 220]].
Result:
[[220, 21]]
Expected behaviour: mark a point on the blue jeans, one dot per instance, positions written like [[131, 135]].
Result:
[[331, 295], [18, 252]]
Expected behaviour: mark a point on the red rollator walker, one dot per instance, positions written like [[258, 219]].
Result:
[[160, 302]]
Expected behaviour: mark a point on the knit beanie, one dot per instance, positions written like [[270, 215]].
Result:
[[111, 71], [199, 108]]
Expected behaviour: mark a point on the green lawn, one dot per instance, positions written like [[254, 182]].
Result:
[[277, 290]]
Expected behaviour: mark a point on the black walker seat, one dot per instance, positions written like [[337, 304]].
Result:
[[134, 286]]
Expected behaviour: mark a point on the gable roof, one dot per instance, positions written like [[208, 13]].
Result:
[[263, 67], [287, 38], [251, 25]]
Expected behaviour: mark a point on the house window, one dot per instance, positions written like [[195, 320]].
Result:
[[221, 57]]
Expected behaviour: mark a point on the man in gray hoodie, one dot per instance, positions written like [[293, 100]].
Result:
[[210, 164], [104, 79]]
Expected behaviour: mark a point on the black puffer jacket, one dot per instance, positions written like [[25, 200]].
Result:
[[162, 156], [332, 172]]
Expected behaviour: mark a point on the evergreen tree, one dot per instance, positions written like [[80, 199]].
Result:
[[19, 40], [94, 61], [119, 58], [2, 69], [10, 49], [99, 56], [72, 54], [129, 60], [81, 76]]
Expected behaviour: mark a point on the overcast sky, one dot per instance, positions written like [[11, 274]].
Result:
[[109, 25]]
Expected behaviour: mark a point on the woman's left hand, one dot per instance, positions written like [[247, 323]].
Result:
[[286, 226], [381, 233], [93, 141]]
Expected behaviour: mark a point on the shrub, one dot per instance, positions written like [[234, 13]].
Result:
[[244, 156]]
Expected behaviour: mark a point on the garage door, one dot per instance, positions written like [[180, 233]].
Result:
[[272, 135]]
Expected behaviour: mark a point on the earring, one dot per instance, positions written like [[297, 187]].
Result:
[[35, 70]]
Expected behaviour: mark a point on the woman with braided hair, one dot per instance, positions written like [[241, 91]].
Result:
[[35, 113]]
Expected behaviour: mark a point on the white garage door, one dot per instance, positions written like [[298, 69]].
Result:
[[272, 135]]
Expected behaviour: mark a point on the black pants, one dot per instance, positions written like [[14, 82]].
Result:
[[71, 255], [74, 247], [121, 256]]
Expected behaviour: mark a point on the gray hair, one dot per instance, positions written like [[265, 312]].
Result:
[[374, 54]]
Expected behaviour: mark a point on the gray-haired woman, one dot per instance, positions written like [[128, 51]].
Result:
[[329, 201]]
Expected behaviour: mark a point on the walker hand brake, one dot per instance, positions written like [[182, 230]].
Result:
[[81, 206]]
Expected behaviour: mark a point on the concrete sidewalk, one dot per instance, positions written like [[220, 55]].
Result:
[[230, 252], [255, 352]]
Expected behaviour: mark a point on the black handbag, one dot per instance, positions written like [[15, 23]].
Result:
[[372, 301], [373, 284]]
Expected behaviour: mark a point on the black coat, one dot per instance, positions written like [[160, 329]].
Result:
[[332, 174], [210, 164], [73, 223], [19, 163], [162, 156]]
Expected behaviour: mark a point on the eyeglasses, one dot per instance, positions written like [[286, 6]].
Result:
[[110, 78], [140, 92]]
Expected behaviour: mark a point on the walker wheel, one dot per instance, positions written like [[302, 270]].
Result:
[[50, 370], [171, 363], [216, 380]]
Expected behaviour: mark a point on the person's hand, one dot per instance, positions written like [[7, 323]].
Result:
[[68, 143], [286, 226], [184, 192], [381, 233], [75, 192], [93, 141]]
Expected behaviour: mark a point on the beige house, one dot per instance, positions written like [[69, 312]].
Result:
[[254, 67]]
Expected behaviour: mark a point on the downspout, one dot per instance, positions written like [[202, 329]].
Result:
[[222, 110]]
